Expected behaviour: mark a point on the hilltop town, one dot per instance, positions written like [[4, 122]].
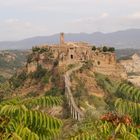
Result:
[[68, 53]]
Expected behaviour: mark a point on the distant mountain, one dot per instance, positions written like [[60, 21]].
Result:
[[120, 39], [126, 53]]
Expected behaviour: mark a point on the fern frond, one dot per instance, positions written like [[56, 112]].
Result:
[[45, 101]]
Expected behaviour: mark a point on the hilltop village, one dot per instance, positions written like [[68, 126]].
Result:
[[68, 53]]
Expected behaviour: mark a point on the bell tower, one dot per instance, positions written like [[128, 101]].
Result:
[[62, 38]]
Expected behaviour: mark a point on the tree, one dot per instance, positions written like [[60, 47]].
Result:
[[35, 49], [105, 49], [111, 49], [94, 48], [39, 73]]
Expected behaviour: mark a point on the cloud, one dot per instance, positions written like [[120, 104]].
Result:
[[135, 15], [104, 15], [105, 22], [24, 18], [17, 29]]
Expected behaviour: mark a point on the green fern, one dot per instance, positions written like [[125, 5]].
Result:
[[25, 122], [128, 107]]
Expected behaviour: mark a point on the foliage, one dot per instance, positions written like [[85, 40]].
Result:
[[105, 49], [35, 49], [123, 97], [21, 119], [103, 130], [40, 50], [17, 80], [39, 73], [80, 91], [108, 49], [128, 101], [111, 49], [94, 48], [54, 91], [128, 107], [98, 102], [128, 92], [87, 65], [57, 79], [2, 79], [55, 63], [31, 94], [19, 57], [70, 66], [104, 82], [29, 58], [46, 78], [5, 90]]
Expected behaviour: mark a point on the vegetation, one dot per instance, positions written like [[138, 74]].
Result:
[[40, 50], [22, 119], [108, 49], [2, 79], [9, 61], [17, 80], [87, 65], [122, 121], [124, 98], [105, 129], [116, 116], [39, 73], [94, 48]]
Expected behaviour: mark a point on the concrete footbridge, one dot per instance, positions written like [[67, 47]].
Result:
[[75, 111]]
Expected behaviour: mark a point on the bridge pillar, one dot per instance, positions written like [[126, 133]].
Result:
[[73, 113], [71, 110]]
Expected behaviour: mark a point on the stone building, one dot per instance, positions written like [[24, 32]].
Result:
[[74, 52]]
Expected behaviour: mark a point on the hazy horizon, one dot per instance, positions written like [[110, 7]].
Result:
[[57, 33]]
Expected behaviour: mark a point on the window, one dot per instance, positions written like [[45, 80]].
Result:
[[71, 56]]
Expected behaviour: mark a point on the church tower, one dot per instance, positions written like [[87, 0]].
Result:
[[62, 38]]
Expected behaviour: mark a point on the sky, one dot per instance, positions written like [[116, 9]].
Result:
[[21, 19]]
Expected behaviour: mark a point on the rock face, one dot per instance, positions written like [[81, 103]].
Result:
[[67, 53], [132, 65]]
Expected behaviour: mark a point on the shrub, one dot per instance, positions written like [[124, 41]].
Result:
[[94, 48], [31, 94], [17, 80], [39, 73], [55, 63], [55, 91], [35, 49], [29, 58], [46, 78], [111, 49], [2, 79], [105, 49]]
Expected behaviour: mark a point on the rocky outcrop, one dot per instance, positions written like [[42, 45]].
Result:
[[132, 65]]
